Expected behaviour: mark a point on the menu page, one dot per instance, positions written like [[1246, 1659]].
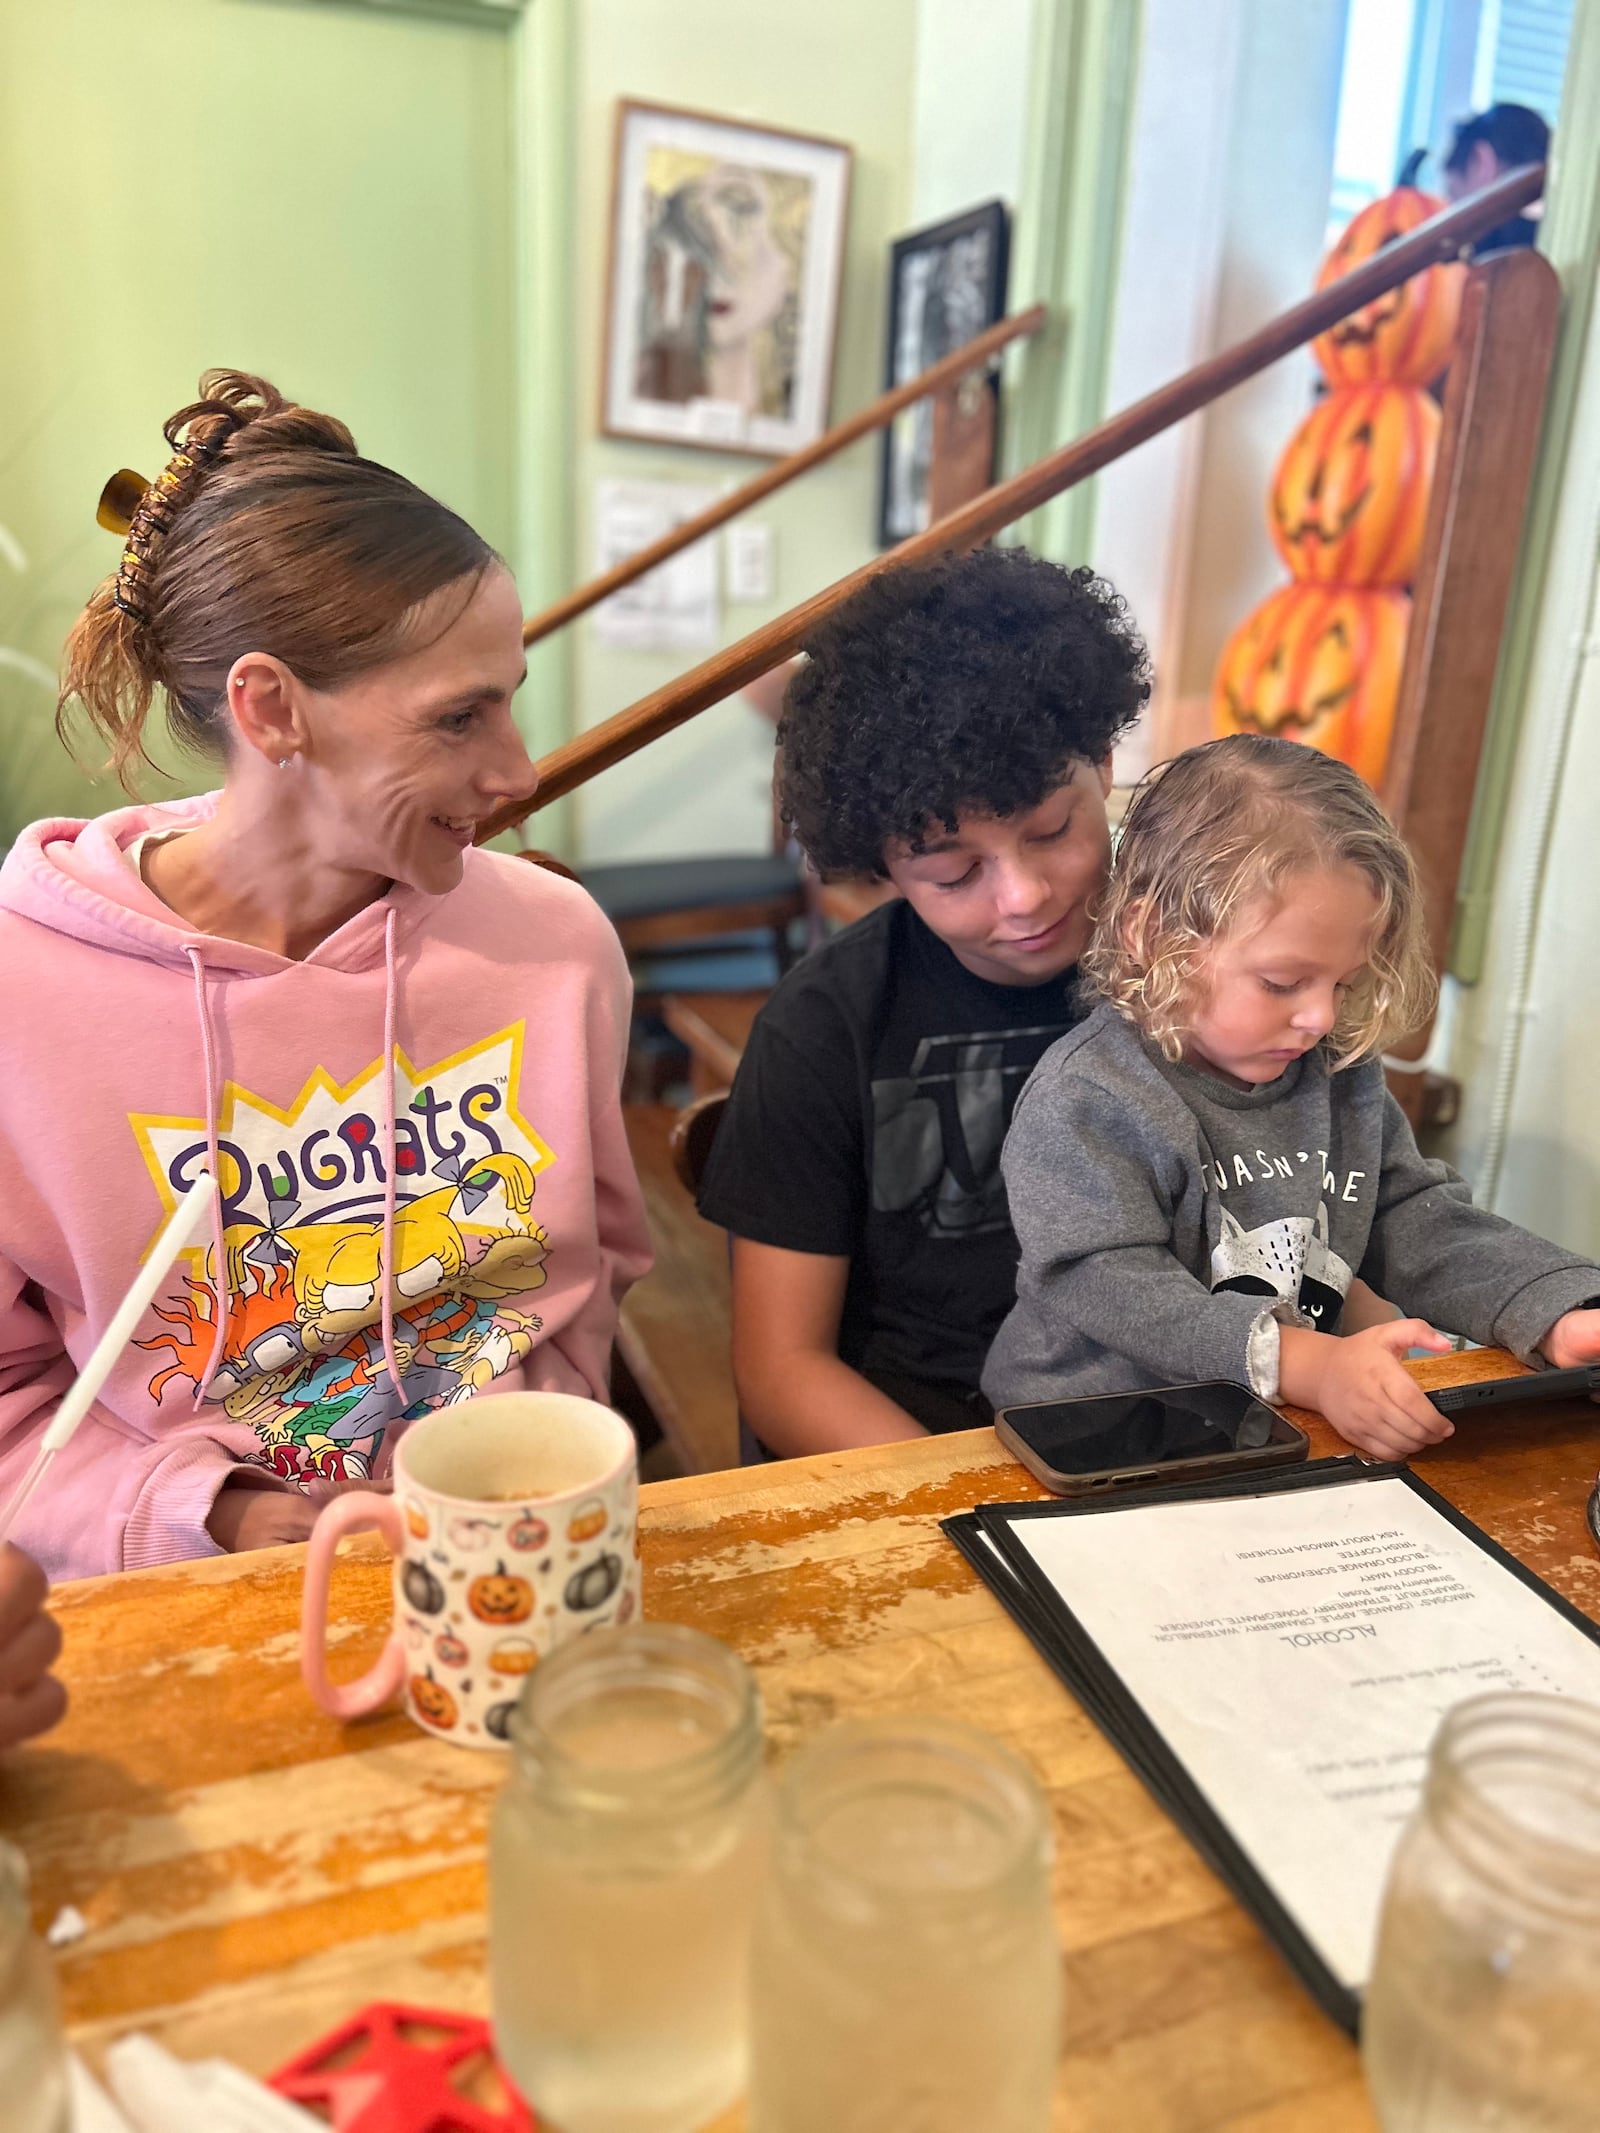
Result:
[[1296, 1650]]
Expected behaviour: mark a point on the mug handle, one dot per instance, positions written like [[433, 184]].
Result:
[[347, 1699]]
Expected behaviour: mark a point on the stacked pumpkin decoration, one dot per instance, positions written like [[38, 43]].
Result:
[[1319, 660]]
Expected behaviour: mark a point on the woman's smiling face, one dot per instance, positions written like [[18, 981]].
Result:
[[407, 761]]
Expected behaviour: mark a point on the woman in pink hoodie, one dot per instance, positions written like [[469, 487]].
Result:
[[399, 1055]]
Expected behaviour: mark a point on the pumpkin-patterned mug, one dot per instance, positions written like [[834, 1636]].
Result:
[[513, 1528]]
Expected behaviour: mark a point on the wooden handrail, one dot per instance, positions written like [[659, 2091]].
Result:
[[1442, 237], [972, 355]]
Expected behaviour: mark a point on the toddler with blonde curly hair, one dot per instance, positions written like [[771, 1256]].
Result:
[[1199, 1171]]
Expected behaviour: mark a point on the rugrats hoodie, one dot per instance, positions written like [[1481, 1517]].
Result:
[[435, 1089]]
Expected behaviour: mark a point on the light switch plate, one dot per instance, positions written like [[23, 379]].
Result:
[[749, 576]]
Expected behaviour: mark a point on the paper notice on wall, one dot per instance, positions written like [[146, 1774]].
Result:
[[673, 608]]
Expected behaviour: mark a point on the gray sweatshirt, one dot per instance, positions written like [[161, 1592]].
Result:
[[1169, 1222]]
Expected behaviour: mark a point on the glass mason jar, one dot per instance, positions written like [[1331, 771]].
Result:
[[906, 1973], [1484, 2007], [33, 2063], [624, 1860]]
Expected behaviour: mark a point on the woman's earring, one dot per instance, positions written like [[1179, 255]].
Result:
[[284, 761]]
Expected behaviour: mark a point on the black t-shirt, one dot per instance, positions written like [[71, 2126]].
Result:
[[866, 1123]]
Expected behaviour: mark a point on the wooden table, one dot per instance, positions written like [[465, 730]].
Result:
[[251, 1872]]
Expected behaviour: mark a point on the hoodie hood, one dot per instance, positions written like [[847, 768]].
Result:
[[75, 878]]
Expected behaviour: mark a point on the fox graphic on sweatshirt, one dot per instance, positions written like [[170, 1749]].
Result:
[[478, 1173]]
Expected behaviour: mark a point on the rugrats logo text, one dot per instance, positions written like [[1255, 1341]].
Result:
[[302, 1194]]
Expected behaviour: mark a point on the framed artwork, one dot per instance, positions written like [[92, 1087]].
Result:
[[946, 283], [727, 247]]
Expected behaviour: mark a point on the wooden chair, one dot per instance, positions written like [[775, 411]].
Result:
[[664, 906], [691, 1139], [693, 1132], [714, 1028], [672, 904], [668, 908], [675, 1328]]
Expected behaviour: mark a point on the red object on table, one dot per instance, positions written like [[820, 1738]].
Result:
[[389, 2070]]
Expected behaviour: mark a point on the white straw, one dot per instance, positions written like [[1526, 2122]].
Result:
[[182, 1224]]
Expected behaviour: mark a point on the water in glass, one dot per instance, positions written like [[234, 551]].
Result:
[[1483, 2014], [906, 1971], [625, 1855]]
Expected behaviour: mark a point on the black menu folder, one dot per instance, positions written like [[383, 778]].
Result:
[[1285, 1737]]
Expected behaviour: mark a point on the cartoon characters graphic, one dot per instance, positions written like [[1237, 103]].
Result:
[[303, 1362]]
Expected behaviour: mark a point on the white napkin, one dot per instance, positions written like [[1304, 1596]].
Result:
[[90, 2108], [160, 2094]]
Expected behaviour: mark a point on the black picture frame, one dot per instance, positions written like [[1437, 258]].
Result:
[[947, 282]]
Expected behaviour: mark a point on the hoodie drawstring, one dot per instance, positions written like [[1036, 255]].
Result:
[[386, 1273], [221, 1287]]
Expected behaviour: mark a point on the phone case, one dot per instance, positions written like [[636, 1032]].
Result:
[[1171, 1472]]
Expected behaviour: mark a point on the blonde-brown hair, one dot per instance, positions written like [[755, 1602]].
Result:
[[1219, 830], [277, 536]]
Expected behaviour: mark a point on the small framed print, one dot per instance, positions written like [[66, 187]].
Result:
[[727, 248], [946, 284]]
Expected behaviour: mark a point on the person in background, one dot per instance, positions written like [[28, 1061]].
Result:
[[31, 1699], [1200, 1170], [399, 1055], [1484, 148]]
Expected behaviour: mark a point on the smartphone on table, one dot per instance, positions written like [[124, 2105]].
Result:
[[1168, 1434]]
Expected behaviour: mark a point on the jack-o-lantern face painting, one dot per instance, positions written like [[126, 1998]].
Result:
[[1408, 334], [433, 1701], [500, 1598], [1350, 497], [1319, 664]]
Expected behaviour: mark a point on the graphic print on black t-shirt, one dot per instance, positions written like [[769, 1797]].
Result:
[[866, 1123], [938, 1130]]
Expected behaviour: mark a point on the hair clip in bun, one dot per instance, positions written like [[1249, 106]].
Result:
[[120, 499]]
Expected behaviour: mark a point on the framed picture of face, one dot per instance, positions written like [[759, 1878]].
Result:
[[727, 246], [946, 283]]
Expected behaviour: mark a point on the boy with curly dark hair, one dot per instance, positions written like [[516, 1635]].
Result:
[[950, 732]]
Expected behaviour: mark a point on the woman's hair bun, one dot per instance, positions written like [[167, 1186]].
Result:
[[268, 532], [243, 416]]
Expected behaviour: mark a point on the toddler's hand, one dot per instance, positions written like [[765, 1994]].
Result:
[[1573, 1339], [1361, 1387]]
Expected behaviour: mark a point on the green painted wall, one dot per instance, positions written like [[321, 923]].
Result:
[[830, 67], [319, 194]]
